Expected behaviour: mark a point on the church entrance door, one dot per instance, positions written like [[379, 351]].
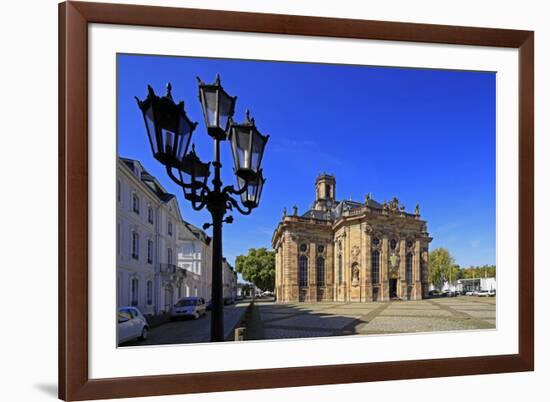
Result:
[[393, 288]]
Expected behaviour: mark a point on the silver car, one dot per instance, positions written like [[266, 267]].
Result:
[[131, 325], [189, 307]]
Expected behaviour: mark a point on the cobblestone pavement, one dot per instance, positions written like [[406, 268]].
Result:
[[302, 320], [190, 330]]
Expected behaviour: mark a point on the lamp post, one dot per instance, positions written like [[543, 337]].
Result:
[[169, 130]]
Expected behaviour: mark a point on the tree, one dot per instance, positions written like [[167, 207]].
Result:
[[442, 267], [258, 267]]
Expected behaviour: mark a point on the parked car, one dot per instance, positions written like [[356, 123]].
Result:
[[228, 300], [209, 305], [189, 307], [483, 293], [131, 325]]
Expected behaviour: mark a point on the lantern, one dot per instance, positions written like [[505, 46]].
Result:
[[217, 107], [168, 127], [247, 145]]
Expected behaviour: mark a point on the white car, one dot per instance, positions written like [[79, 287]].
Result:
[[131, 325], [483, 293], [189, 307]]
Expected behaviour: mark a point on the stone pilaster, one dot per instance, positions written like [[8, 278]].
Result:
[[417, 274], [384, 271], [401, 281], [329, 271], [312, 272]]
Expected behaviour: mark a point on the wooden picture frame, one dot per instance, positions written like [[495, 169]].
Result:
[[74, 381]]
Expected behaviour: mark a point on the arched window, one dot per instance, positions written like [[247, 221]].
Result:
[[303, 270], [409, 269], [375, 266], [320, 271], [340, 269]]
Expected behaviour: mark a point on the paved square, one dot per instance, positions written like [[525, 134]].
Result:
[[304, 320]]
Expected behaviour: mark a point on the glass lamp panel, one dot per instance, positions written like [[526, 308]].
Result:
[[234, 150], [226, 108], [243, 147], [185, 130], [151, 129], [210, 105], [168, 142], [260, 188], [258, 144]]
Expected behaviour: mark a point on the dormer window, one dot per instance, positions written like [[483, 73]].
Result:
[[170, 228]]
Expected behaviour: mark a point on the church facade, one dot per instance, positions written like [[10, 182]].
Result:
[[350, 251]]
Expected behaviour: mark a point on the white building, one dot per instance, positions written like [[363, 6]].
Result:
[[160, 257], [194, 253], [147, 217], [229, 280], [477, 284]]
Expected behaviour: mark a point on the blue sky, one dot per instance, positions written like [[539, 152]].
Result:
[[425, 136]]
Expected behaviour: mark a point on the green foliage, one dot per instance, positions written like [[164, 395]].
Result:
[[258, 267], [484, 271], [442, 267]]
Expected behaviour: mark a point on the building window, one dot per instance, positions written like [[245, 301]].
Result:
[[303, 247], [375, 266], [340, 269], [150, 251], [135, 245], [135, 203], [149, 293], [321, 249], [376, 241], [118, 191], [409, 269], [135, 292], [393, 244], [320, 271], [169, 256], [118, 238], [170, 228], [303, 270], [150, 214]]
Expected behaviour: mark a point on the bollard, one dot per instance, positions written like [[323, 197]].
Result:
[[240, 334]]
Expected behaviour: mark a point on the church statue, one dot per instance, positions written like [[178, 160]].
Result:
[[417, 210], [295, 210], [284, 213], [368, 198], [355, 273]]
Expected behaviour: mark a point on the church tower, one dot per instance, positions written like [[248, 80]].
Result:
[[325, 192]]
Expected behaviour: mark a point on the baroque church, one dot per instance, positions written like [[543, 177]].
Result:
[[350, 251]]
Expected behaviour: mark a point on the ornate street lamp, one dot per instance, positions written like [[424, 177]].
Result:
[[247, 144], [250, 197], [217, 107], [196, 173], [170, 130], [168, 127]]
